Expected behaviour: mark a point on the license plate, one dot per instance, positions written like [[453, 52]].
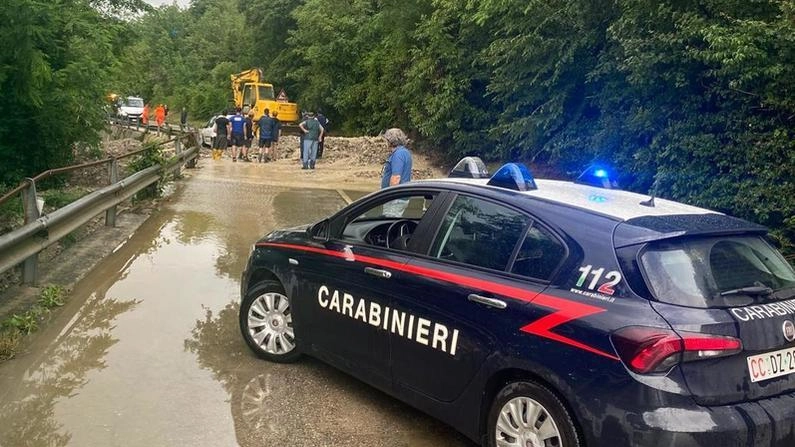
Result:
[[771, 364]]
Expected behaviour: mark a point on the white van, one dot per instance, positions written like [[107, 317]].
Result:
[[131, 107]]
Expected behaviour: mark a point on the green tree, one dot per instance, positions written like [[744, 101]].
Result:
[[53, 69]]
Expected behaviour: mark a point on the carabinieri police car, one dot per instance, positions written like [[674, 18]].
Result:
[[537, 313]]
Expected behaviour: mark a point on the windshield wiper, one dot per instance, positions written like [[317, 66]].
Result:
[[750, 290]]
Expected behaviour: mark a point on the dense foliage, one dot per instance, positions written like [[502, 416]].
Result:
[[53, 74], [693, 100]]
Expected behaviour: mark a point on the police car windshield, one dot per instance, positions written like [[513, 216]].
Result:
[[716, 272]]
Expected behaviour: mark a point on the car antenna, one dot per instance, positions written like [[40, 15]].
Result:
[[649, 203]]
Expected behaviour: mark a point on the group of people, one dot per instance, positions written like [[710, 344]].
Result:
[[238, 132], [161, 112]]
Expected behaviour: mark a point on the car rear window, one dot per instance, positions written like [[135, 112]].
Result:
[[717, 272]]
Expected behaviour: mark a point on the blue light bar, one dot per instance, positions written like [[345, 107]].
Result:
[[598, 176], [514, 176]]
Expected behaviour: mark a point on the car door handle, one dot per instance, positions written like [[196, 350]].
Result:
[[386, 274], [491, 302]]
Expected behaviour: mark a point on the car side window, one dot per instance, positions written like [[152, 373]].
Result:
[[480, 233], [388, 223], [539, 254], [408, 207]]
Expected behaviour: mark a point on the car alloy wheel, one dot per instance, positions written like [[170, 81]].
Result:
[[266, 321], [526, 414], [270, 323], [523, 422]]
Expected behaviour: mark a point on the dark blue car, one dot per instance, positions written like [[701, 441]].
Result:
[[541, 313]]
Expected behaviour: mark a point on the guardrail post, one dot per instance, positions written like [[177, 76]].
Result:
[[110, 213], [192, 162], [178, 152], [30, 267]]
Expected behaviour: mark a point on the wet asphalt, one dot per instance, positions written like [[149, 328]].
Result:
[[147, 352]]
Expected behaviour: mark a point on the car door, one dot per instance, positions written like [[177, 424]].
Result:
[[353, 279], [470, 294]]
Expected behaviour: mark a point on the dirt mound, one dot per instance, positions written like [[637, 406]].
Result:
[[364, 156]]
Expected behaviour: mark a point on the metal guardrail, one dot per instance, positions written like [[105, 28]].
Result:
[[168, 128], [22, 245]]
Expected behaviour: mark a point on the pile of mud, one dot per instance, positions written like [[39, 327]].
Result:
[[365, 154]]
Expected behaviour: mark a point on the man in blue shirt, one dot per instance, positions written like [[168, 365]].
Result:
[[238, 133], [397, 169], [266, 124]]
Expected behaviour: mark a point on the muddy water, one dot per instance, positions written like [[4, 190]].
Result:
[[147, 352]]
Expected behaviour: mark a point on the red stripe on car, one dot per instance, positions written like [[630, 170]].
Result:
[[565, 310]]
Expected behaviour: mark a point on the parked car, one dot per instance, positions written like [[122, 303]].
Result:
[[130, 107], [207, 132], [530, 312]]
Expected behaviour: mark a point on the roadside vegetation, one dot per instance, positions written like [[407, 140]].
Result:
[[693, 101], [153, 155], [15, 327]]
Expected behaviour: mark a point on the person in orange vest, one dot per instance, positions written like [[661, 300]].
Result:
[[160, 117], [145, 115]]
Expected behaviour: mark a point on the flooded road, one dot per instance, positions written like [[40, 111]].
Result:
[[147, 351]]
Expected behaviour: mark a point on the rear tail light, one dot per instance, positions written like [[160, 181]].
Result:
[[652, 350]]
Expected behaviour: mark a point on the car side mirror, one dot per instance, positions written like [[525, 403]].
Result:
[[319, 231]]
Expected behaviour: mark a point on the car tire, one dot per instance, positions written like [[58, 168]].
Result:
[[266, 323], [526, 413]]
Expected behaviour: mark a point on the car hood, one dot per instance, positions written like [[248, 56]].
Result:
[[288, 235]]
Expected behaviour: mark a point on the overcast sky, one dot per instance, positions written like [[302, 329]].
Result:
[[167, 2]]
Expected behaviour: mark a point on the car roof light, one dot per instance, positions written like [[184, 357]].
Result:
[[599, 176], [470, 167], [514, 176]]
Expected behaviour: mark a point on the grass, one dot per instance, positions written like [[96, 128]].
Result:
[[11, 212], [57, 198], [9, 343], [15, 327], [52, 296]]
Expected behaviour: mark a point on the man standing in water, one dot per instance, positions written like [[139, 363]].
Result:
[[238, 133], [313, 132]]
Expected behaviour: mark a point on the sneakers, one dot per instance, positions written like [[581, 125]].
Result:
[[234, 159]]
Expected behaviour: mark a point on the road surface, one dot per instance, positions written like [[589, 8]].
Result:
[[147, 352]]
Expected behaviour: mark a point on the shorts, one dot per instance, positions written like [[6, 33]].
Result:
[[266, 142], [220, 142], [238, 139], [248, 142]]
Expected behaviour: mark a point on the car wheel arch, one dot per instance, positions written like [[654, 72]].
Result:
[[262, 274], [502, 378]]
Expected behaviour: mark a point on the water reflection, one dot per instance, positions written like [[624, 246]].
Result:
[[305, 403], [68, 348], [27, 417]]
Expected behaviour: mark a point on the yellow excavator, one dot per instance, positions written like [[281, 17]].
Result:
[[251, 92]]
